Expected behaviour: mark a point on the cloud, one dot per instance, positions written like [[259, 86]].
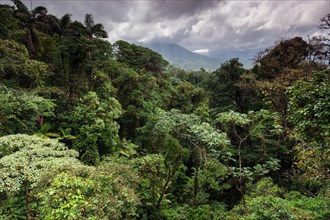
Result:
[[201, 51], [195, 24]]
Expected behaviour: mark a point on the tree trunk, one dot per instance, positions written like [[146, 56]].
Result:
[[195, 187], [27, 198], [30, 45], [169, 176], [241, 177]]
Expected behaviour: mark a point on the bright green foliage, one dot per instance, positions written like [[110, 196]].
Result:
[[21, 112], [309, 113], [206, 134], [176, 213], [174, 122], [316, 207], [202, 212], [267, 208], [94, 126], [309, 107], [26, 158], [65, 197], [212, 182], [98, 196], [152, 171], [189, 126], [191, 133], [235, 118], [258, 132], [17, 68], [266, 201], [264, 187], [24, 162]]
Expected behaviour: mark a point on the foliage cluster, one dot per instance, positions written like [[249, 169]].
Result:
[[93, 130]]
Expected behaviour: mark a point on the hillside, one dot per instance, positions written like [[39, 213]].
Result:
[[181, 57]]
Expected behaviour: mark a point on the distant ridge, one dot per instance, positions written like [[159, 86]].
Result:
[[181, 57]]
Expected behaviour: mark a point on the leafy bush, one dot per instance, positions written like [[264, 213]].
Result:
[[97, 196]]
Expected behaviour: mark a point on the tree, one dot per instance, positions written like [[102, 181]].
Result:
[[21, 112], [94, 30], [309, 114], [91, 194], [24, 160], [95, 127], [253, 133], [267, 200], [320, 45], [33, 19], [225, 91], [17, 67], [187, 98], [287, 54], [325, 22], [187, 130], [139, 58], [9, 25], [60, 26]]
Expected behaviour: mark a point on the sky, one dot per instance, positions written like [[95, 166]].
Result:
[[203, 26]]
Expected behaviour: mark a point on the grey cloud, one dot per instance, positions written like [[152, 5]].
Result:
[[171, 9], [115, 11], [198, 24]]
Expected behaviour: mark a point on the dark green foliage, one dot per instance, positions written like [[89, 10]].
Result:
[[94, 30], [225, 90], [287, 54], [8, 23], [138, 104], [139, 58], [187, 98], [17, 69], [152, 141]]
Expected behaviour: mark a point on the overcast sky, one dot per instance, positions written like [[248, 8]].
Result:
[[205, 26]]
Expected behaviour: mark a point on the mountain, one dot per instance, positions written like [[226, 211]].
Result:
[[245, 55], [181, 57]]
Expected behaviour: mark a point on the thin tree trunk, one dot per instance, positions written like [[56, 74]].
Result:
[[240, 188], [241, 176], [195, 187], [27, 198], [164, 189], [29, 41]]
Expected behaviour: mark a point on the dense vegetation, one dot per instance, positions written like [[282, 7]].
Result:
[[91, 130]]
